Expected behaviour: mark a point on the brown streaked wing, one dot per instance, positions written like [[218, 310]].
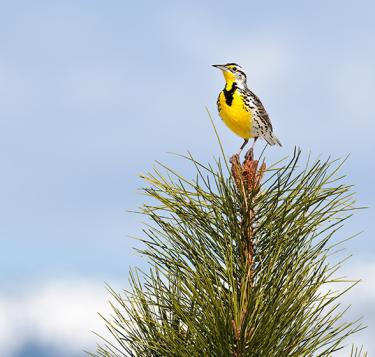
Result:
[[262, 111]]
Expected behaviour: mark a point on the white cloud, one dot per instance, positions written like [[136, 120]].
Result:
[[362, 301], [63, 314], [60, 314]]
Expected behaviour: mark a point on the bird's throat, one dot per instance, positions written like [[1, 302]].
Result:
[[229, 92]]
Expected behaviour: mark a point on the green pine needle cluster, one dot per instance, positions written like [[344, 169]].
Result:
[[206, 295]]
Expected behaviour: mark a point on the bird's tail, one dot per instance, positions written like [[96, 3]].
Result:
[[272, 140]]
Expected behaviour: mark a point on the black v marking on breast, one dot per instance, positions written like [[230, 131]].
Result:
[[228, 94]]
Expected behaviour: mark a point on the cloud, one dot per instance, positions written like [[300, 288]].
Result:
[[62, 314], [362, 301], [59, 314]]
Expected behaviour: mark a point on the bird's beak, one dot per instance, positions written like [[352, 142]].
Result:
[[222, 67]]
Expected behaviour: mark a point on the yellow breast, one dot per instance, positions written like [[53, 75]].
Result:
[[236, 116]]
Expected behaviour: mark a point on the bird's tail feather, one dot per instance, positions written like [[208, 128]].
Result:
[[273, 140]]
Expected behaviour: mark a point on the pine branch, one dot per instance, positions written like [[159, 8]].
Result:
[[238, 263]]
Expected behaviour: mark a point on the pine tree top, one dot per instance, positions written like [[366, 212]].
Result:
[[239, 263]]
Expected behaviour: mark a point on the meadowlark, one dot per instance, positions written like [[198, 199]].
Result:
[[241, 110]]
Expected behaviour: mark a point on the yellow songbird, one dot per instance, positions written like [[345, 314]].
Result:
[[241, 110]]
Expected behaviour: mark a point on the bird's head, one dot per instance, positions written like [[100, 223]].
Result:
[[232, 73]]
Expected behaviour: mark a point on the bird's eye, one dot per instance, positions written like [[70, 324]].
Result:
[[234, 68]]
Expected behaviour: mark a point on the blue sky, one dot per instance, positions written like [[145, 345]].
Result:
[[92, 92]]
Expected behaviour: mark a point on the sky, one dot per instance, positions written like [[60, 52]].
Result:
[[93, 92]]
